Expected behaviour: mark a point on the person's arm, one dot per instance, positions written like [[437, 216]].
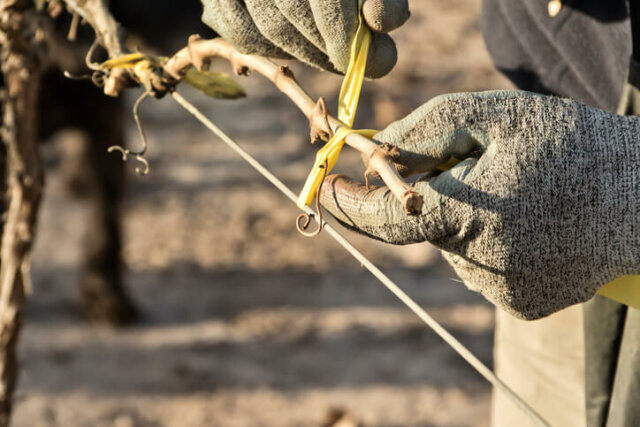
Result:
[[318, 32], [543, 211]]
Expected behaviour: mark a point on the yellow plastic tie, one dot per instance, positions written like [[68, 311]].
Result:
[[347, 106], [124, 61], [352, 83], [328, 153]]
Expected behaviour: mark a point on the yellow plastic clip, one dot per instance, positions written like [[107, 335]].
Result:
[[347, 106]]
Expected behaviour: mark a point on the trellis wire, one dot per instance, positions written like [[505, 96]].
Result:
[[464, 352]]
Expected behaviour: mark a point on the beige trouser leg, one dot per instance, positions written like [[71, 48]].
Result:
[[543, 361]]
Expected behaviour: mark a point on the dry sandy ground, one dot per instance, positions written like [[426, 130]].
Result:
[[245, 321]]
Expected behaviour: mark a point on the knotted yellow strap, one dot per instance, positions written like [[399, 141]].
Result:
[[347, 106], [328, 153]]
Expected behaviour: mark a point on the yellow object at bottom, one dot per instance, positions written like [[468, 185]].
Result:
[[625, 290]]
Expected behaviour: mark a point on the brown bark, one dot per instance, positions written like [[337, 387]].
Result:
[[22, 177]]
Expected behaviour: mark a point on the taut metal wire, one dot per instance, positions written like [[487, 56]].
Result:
[[464, 352]]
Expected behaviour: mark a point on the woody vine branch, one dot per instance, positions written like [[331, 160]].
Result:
[[199, 52]]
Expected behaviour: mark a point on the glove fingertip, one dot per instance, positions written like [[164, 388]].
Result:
[[383, 16], [231, 21], [383, 56], [373, 212]]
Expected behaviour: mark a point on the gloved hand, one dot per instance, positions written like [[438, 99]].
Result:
[[544, 210], [318, 32]]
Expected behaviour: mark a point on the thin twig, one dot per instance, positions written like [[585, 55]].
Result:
[[96, 13], [139, 155], [73, 28]]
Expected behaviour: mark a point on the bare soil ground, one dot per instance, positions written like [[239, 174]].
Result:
[[245, 321]]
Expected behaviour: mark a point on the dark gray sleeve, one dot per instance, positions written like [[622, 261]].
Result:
[[582, 53]]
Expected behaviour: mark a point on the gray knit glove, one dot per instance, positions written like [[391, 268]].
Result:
[[544, 212], [318, 32]]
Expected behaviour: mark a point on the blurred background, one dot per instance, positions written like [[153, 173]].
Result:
[[244, 321]]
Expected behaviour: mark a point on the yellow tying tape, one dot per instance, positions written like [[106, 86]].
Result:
[[347, 106], [329, 154], [352, 83], [124, 61]]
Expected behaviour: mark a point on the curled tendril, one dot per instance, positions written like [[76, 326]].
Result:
[[88, 58], [97, 77], [125, 157], [70, 76], [139, 155], [303, 221]]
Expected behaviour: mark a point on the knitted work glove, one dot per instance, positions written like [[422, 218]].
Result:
[[318, 32], [544, 210]]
